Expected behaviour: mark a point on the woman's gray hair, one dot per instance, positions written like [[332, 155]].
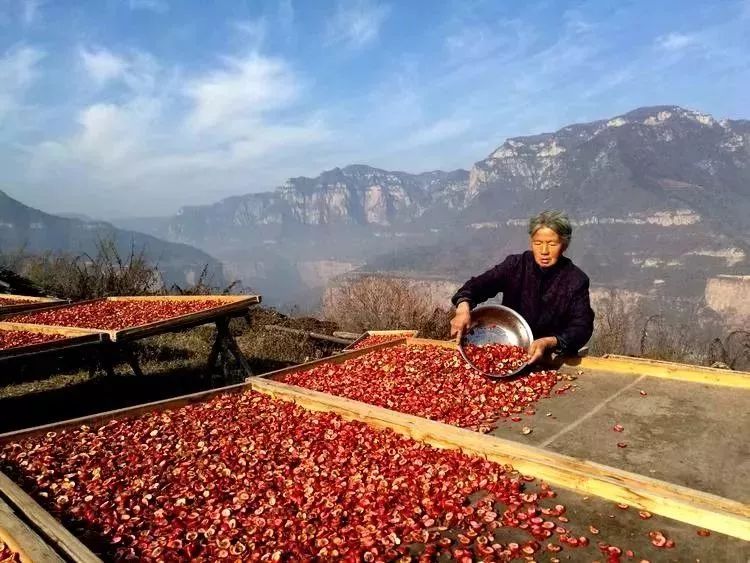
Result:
[[555, 220]]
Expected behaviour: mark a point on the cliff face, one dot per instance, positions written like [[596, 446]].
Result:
[[660, 197], [730, 297], [356, 195], [649, 161]]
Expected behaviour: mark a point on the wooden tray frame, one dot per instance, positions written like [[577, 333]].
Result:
[[408, 333], [680, 503], [23, 540], [37, 303], [75, 338], [235, 306]]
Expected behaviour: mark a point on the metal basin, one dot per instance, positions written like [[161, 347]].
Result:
[[496, 324]]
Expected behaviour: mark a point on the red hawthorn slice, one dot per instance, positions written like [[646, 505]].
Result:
[[241, 474], [117, 315], [16, 338], [428, 381]]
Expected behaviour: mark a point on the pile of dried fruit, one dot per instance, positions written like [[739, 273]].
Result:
[[14, 338], [431, 382], [374, 339], [496, 359], [7, 555], [243, 474], [117, 315]]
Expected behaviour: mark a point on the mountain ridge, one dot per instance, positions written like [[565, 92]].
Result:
[[659, 194], [27, 229]]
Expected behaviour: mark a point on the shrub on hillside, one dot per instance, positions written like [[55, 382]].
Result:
[[380, 303]]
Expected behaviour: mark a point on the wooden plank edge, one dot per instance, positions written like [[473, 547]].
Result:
[[157, 327], [336, 359], [50, 329], [638, 366], [408, 333], [46, 525], [175, 402], [228, 298], [663, 370], [431, 342], [23, 540], [183, 321], [673, 501], [306, 333], [33, 298], [64, 345]]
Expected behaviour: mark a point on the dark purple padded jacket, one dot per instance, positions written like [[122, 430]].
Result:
[[554, 301]]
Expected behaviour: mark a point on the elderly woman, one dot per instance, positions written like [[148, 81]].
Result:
[[542, 285]]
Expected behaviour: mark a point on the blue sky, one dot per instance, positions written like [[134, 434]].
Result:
[[137, 107]]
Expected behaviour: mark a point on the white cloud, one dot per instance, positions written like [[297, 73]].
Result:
[[357, 23], [156, 6], [242, 88], [102, 65], [214, 130], [676, 41], [137, 70], [18, 70]]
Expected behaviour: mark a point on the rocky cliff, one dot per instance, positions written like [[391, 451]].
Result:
[[660, 197]]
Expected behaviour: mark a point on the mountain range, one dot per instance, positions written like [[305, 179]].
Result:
[[29, 230], [660, 197]]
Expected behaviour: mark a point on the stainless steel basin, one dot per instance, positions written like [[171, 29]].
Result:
[[496, 324]]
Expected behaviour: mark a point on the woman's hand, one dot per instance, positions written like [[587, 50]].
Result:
[[461, 321], [539, 347]]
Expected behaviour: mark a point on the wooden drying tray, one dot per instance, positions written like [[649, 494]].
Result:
[[22, 540], [74, 338], [612, 363], [234, 306], [7, 306], [585, 477], [405, 333]]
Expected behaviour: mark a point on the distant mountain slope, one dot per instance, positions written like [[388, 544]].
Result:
[[26, 228], [660, 197]]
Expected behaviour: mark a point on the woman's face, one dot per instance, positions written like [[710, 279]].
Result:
[[547, 247]]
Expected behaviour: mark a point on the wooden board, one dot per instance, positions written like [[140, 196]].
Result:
[[665, 370], [659, 497], [53, 532], [75, 337], [406, 334], [30, 303], [680, 503], [637, 366], [234, 305], [22, 539]]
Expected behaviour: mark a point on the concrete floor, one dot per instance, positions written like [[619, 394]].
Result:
[[685, 433], [625, 529]]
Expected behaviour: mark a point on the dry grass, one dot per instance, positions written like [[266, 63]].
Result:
[[57, 388], [679, 332], [379, 303]]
